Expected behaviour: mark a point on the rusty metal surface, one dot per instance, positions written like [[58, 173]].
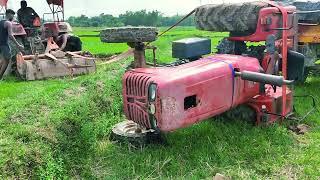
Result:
[[129, 34], [48, 66]]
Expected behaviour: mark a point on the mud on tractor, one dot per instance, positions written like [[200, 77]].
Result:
[[241, 81], [50, 50]]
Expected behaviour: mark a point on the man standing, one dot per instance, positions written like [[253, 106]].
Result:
[[5, 34], [26, 15]]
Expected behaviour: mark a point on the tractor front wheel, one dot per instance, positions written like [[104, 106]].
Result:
[[130, 132]]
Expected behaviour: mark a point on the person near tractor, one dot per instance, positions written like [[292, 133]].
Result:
[[27, 15], [5, 35]]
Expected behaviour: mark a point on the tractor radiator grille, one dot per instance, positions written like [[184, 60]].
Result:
[[137, 98], [137, 85], [138, 115]]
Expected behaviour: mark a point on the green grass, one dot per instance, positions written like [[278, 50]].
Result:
[[59, 128]]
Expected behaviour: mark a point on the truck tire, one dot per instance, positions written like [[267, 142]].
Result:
[[240, 17], [305, 6], [129, 34]]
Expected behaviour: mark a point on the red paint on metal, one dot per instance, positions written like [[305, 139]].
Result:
[[55, 28], [272, 101], [3, 3], [285, 35], [211, 83], [264, 29], [209, 79], [135, 93], [18, 30]]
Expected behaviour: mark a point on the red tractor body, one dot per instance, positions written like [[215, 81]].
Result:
[[192, 92], [56, 28], [170, 98], [242, 82], [18, 29]]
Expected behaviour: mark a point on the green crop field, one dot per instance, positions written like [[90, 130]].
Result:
[[59, 129]]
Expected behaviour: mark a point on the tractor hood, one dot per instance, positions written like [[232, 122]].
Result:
[[200, 66], [186, 94]]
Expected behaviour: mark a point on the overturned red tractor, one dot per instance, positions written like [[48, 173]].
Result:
[[164, 99]]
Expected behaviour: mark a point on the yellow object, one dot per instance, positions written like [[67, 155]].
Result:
[[309, 33]]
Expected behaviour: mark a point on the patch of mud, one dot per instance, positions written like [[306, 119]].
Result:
[[300, 129], [75, 92], [288, 172], [47, 133]]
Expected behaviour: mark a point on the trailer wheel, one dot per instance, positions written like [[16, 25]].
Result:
[[240, 17]]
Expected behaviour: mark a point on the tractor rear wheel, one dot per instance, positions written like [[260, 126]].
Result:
[[240, 17], [74, 44]]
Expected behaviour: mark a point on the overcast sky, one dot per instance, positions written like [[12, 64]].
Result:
[[116, 7]]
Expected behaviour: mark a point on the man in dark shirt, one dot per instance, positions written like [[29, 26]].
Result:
[[5, 34], [26, 15]]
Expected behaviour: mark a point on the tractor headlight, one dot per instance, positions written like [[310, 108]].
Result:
[[152, 92], [152, 109]]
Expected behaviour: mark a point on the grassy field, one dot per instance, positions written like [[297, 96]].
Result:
[[59, 129]]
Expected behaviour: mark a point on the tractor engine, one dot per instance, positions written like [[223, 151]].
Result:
[[173, 98]]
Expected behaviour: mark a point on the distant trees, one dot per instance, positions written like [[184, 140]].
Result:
[[138, 18]]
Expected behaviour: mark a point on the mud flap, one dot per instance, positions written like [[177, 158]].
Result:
[[296, 66]]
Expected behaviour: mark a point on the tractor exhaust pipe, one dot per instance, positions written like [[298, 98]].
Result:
[[263, 78]]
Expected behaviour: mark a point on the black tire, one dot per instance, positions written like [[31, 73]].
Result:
[[242, 113], [306, 6], [240, 17], [129, 34], [74, 44], [231, 47]]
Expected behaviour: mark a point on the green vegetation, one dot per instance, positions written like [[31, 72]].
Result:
[[138, 18], [59, 128]]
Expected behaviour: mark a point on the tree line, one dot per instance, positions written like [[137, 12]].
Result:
[[130, 18]]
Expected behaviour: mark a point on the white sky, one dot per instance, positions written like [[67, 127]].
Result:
[[116, 7]]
